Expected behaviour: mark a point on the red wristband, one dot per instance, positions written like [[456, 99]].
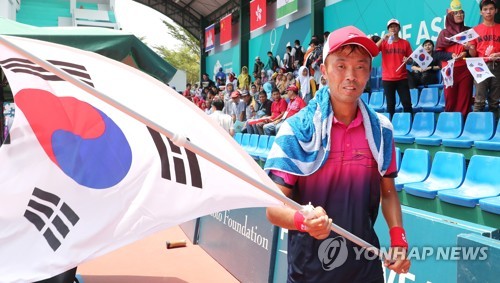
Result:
[[298, 220], [398, 237]]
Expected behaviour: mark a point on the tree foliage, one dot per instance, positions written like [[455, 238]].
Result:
[[185, 57]]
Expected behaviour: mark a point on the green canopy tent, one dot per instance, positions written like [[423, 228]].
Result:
[[118, 45]]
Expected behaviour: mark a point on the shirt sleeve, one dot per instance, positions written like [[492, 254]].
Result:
[[282, 178]]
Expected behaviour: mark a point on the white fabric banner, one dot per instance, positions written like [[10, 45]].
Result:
[[478, 68], [447, 73], [81, 178], [421, 57]]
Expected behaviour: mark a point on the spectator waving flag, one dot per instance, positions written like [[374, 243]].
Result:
[[464, 36], [447, 73], [90, 168], [421, 57], [478, 69]]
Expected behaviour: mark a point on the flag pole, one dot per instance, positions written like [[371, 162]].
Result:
[[180, 140]]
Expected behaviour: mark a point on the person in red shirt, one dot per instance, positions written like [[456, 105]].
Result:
[[459, 96], [487, 46], [278, 108], [395, 51], [296, 103]]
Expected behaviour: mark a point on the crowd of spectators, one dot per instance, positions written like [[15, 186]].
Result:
[[259, 102]]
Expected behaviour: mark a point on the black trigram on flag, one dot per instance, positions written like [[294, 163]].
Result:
[[185, 169], [52, 217], [18, 65]]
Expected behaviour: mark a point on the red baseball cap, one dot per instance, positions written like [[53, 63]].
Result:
[[349, 35], [293, 88], [235, 94]]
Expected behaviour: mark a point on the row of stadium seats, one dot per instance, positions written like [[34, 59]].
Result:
[[429, 100], [449, 180], [478, 131], [257, 146], [376, 79]]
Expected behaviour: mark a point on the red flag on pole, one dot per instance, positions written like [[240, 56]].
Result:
[[257, 14], [225, 29]]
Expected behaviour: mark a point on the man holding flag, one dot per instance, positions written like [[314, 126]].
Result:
[[488, 47], [323, 156], [395, 53]]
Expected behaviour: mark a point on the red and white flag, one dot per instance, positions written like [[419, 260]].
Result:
[[447, 73], [209, 37], [88, 169], [464, 36], [258, 14], [226, 29], [421, 57], [478, 69]]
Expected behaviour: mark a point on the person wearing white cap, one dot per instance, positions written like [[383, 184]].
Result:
[[323, 156], [395, 51]]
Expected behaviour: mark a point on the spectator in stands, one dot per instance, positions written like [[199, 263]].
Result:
[[268, 88], [278, 108], [244, 79], [257, 67], [341, 180], [263, 76], [295, 104], [208, 106], [254, 92], [220, 78], [187, 91], [290, 80], [428, 76], [263, 110], [227, 97], [458, 97], [488, 47], [322, 82], [297, 54], [258, 84], [281, 84], [237, 111], [287, 59], [306, 85], [224, 120], [271, 65], [206, 81], [393, 79], [250, 106], [231, 78]]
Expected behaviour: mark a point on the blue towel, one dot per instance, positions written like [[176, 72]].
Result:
[[303, 141]]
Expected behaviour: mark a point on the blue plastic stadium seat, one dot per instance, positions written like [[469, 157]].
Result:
[[252, 144], [490, 204], [481, 181], [377, 101], [237, 137], [245, 140], [398, 158], [414, 97], [492, 144], [374, 81], [447, 172], [423, 126], [429, 98], [401, 123], [365, 97], [479, 126], [415, 167], [261, 146], [449, 126], [270, 142], [441, 103], [399, 106]]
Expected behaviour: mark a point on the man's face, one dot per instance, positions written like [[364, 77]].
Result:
[[276, 96], [488, 12], [229, 88], [254, 89], [393, 28], [262, 98], [347, 72], [428, 47]]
